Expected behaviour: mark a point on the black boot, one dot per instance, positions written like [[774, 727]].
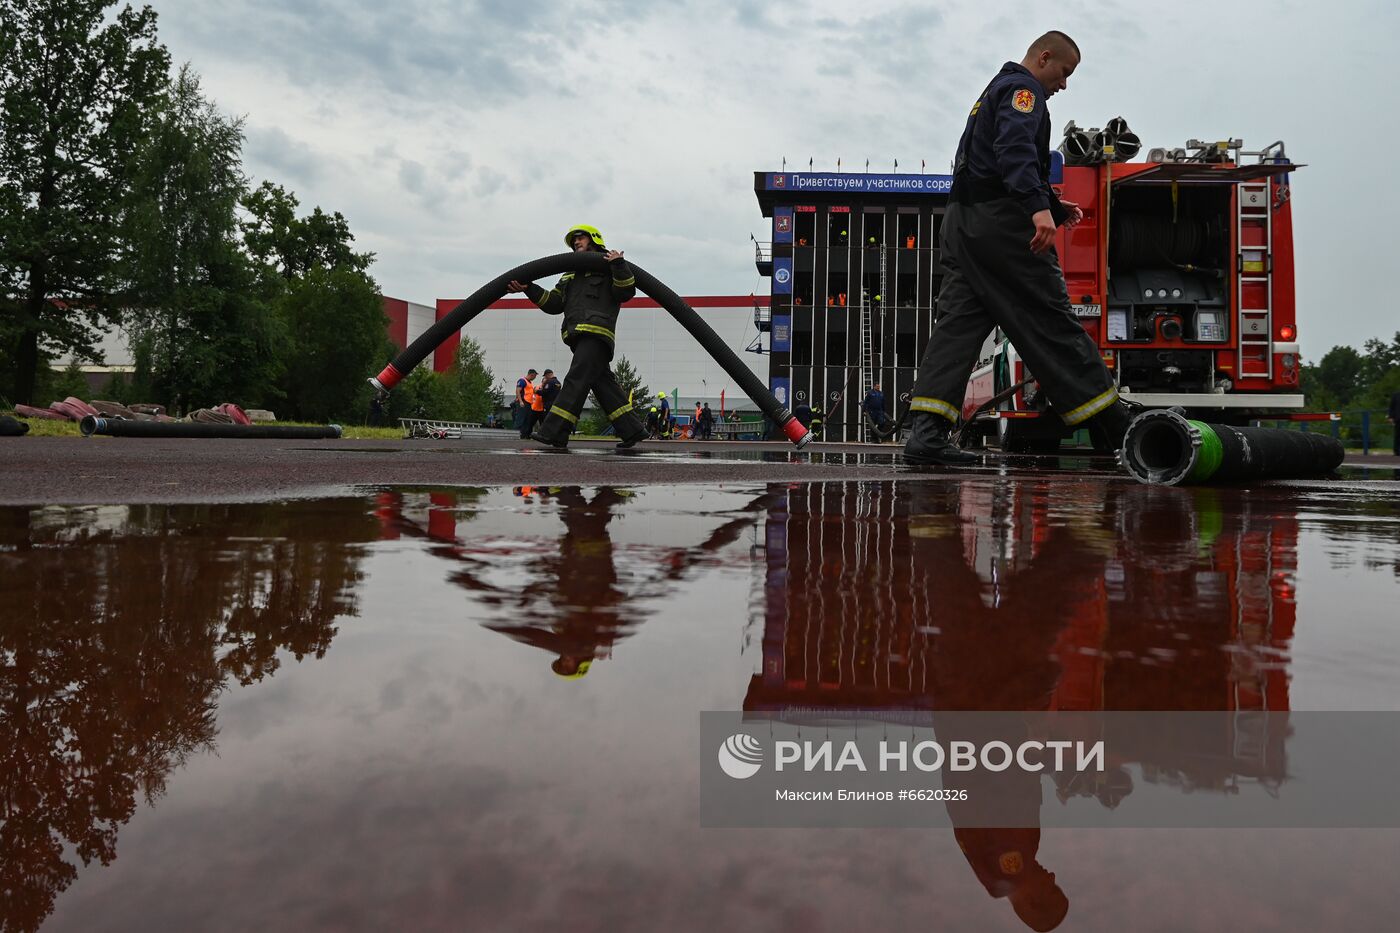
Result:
[[631, 440], [930, 442], [553, 431], [1107, 428]]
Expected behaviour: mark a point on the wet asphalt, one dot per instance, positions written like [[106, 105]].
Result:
[[78, 471]]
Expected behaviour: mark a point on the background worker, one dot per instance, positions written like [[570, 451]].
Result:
[[1000, 266], [549, 389], [874, 408], [590, 303], [1393, 416], [663, 414], [536, 409], [524, 403], [653, 420], [707, 422]]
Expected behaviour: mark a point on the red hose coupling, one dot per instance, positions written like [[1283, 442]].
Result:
[[389, 378], [797, 433]]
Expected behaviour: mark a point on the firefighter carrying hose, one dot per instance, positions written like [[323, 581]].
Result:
[[590, 303], [1001, 269]]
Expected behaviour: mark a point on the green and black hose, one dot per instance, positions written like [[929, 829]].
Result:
[[1164, 447]]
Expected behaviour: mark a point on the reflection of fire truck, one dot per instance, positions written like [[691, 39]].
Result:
[[1182, 272], [1029, 595]]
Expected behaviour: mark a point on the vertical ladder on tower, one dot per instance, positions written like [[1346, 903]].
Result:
[[1254, 289], [869, 358], [884, 298]]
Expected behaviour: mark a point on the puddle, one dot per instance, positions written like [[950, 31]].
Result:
[[478, 708]]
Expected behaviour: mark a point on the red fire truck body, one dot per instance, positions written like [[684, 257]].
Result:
[[1182, 272]]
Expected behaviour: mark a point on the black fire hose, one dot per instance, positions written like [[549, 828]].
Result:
[[114, 427], [1162, 447], [483, 297]]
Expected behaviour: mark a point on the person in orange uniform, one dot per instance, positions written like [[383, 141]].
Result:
[[524, 403]]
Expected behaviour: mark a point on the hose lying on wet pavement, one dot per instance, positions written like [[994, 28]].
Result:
[[648, 284], [1163, 447], [114, 427]]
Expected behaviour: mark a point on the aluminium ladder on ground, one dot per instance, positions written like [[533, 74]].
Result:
[[442, 430]]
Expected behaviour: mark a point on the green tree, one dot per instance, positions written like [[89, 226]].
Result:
[[1380, 358], [327, 306], [198, 305], [426, 394], [76, 88], [630, 379], [474, 381], [336, 331], [292, 245], [57, 384]]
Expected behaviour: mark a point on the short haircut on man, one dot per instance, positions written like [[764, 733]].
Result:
[[1057, 42]]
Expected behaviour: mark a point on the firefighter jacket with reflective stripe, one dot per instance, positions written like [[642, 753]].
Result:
[[589, 301]]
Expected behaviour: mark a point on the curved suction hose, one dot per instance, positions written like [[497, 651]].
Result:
[[648, 284], [1163, 447]]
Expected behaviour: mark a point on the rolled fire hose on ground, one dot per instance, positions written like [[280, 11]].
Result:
[[684, 314], [1163, 447], [113, 427]]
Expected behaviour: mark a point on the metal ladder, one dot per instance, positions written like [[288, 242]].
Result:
[[869, 359], [1255, 265]]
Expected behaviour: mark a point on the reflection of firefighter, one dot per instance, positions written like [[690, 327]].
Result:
[[975, 631], [1033, 596], [572, 601], [584, 583], [995, 651]]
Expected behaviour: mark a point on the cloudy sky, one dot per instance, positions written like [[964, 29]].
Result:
[[461, 137]]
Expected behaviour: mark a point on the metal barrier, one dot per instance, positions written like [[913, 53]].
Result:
[[1363, 428], [737, 431], [442, 430]]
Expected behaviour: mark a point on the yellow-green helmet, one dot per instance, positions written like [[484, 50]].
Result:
[[592, 232], [563, 670]]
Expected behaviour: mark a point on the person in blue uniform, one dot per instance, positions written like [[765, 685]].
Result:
[[874, 408], [1393, 416], [1000, 268]]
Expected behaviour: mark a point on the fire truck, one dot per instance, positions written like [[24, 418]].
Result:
[[1181, 272]]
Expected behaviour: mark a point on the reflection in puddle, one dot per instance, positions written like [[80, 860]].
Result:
[[131, 636]]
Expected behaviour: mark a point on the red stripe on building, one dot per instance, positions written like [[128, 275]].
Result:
[[442, 356], [397, 312], [699, 301], [447, 350]]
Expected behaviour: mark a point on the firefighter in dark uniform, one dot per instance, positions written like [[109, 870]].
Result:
[[1000, 267], [874, 409], [1393, 416], [590, 303]]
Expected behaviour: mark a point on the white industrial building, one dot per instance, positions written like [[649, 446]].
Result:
[[515, 336]]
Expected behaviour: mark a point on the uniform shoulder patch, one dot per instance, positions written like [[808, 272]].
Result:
[[1023, 100], [1010, 863]]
